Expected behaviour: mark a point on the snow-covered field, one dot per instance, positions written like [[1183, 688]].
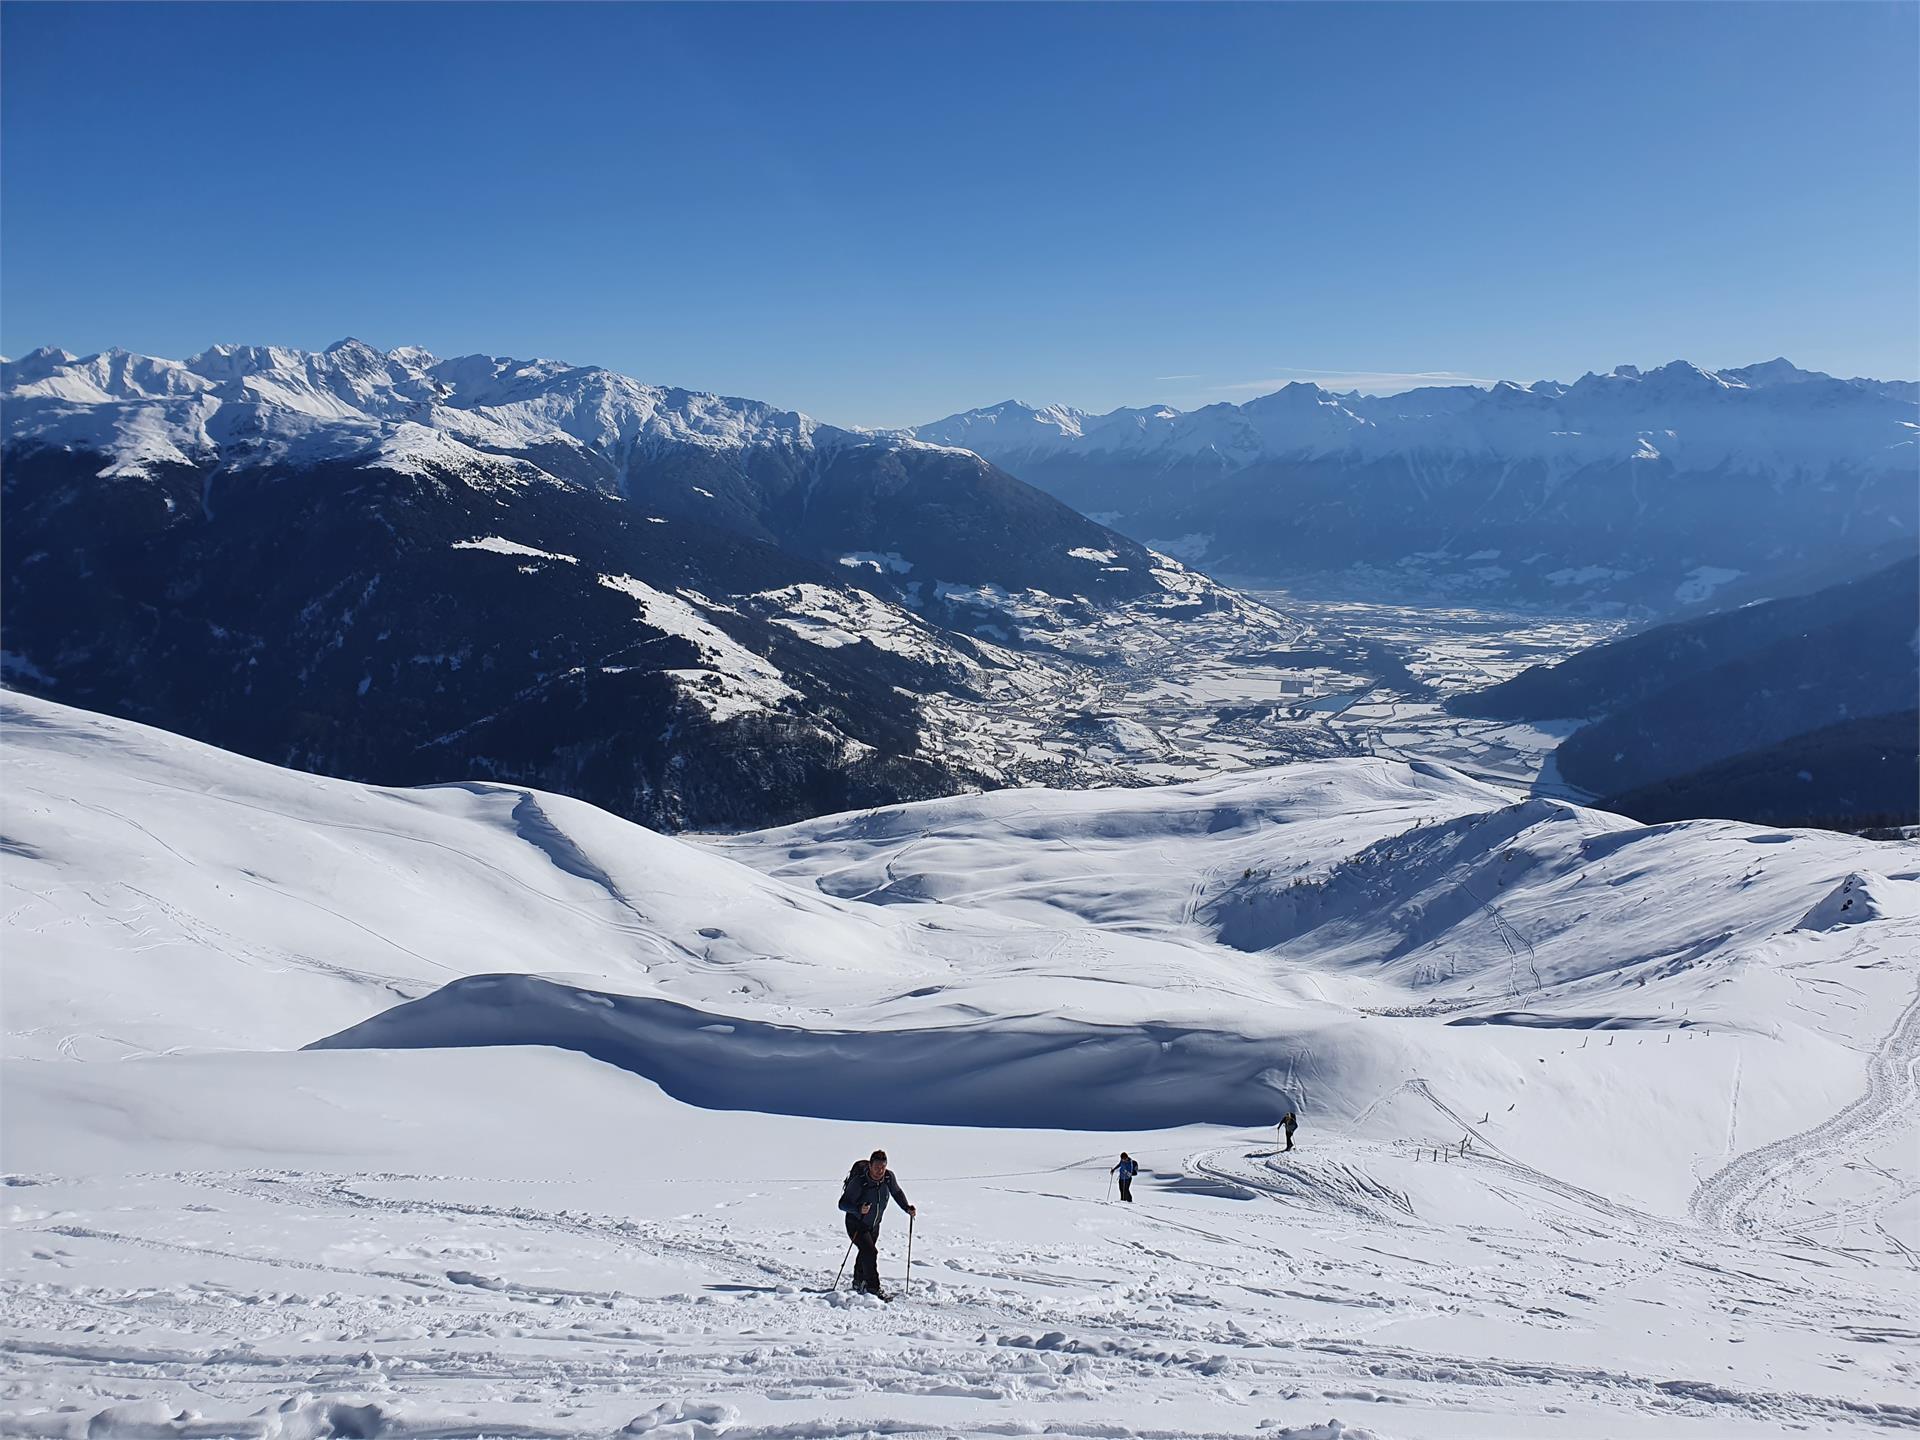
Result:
[[1608, 1130]]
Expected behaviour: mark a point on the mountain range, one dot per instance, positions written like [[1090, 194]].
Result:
[[1660, 490], [687, 608], [697, 610], [743, 466]]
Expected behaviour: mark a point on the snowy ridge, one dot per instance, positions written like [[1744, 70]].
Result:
[[839, 617], [1770, 416], [1659, 490], [250, 405], [254, 404], [734, 680]]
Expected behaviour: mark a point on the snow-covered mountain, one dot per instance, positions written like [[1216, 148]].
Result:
[[689, 608], [1654, 487], [839, 496], [340, 1110], [242, 404]]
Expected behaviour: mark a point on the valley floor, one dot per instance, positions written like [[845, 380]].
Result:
[[1411, 658], [1328, 677]]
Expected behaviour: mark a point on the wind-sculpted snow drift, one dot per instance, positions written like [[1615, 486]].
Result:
[[476, 1110], [1027, 1071]]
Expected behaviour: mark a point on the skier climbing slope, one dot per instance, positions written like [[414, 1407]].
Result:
[[863, 1201]]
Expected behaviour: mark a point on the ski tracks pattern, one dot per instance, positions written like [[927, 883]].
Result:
[[1736, 1196]]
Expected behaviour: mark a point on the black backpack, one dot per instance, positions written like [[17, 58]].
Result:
[[852, 1185]]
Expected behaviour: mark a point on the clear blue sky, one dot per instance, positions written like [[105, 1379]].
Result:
[[882, 214]]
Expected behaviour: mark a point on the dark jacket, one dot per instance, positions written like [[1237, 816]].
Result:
[[1127, 1169], [862, 1189]]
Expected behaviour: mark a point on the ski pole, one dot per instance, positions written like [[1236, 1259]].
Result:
[[1109, 1195], [907, 1289], [843, 1266]]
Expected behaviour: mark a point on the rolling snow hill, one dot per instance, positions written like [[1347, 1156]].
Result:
[[1651, 489], [468, 1110], [686, 608]]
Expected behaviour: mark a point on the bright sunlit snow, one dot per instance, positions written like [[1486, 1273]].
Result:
[[1607, 1130]]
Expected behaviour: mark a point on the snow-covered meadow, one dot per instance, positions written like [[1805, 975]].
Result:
[[333, 1109]]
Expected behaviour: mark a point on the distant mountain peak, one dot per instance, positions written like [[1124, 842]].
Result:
[[1653, 487], [1777, 371], [1599, 418]]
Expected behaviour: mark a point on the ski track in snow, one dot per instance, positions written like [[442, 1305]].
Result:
[[1740, 1193], [1147, 1306]]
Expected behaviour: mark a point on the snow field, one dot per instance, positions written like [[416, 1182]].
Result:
[[464, 1242], [1608, 1130]]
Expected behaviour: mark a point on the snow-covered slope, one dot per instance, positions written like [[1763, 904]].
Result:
[[1610, 487], [1607, 1128]]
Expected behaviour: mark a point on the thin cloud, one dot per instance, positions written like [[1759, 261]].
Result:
[[1176, 377]]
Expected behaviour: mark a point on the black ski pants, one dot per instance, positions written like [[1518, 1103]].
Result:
[[1126, 1188], [866, 1264]]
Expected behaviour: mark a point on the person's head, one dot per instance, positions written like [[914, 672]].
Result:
[[877, 1164], [1125, 1156]]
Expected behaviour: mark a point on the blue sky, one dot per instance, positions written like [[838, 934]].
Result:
[[882, 214]]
